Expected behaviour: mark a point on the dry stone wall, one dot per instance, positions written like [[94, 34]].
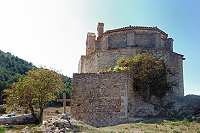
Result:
[[102, 44], [143, 40], [100, 99], [16, 120], [100, 59], [107, 98], [109, 57], [117, 40], [132, 38]]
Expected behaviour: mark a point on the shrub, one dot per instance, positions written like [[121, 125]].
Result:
[[150, 76], [57, 112], [2, 130]]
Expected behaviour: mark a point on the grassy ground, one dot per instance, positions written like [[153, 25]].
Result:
[[149, 125], [165, 127]]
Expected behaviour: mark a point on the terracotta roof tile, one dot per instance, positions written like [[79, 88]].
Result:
[[132, 28]]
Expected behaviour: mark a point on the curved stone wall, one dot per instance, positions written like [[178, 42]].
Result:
[[100, 59], [134, 38]]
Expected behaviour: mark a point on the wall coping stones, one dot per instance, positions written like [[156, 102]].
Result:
[[132, 28]]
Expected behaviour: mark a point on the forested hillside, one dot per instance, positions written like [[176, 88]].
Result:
[[11, 66]]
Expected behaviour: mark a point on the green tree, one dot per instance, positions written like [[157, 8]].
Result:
[[35, 90], [10, 67], [2, 109], [150, 75], [68, 86]]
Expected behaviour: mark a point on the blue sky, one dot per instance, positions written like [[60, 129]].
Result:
[[52, 33]]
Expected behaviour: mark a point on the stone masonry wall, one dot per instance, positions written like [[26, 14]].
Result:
[[117, 40], [100, 59], [16, 120], [103, 44], [107, 98], [100, 99], [131, 38], [87, 64]]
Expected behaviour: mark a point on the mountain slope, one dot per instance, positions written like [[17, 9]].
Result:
[[11, 66]]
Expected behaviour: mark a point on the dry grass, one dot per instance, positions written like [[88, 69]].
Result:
[[50, 112], [165, 127], [155, 125]]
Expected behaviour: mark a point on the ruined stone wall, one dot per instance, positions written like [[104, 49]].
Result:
[[87, 63], [180, 77], [102, 44], [100, 99], [21, 119], [100, 59], [90, 43], [107, 98]]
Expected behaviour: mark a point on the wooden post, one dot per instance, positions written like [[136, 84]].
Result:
[[64, 100]]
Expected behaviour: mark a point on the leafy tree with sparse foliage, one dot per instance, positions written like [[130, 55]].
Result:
[[35, 90], [150, 75], [2, 109]]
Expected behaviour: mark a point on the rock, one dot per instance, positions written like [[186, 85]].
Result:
[[50, 124], [68, 129], [52, 128], [21, 119], [58, 125], [144, 109], [65, 116], [44, 122], [57, 130], [62, 130]]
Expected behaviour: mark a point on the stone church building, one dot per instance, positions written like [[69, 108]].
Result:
[[106, 98]]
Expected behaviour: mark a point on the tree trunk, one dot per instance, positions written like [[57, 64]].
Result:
[[41, 110], [149, 97], [41, 115], [36, 121]]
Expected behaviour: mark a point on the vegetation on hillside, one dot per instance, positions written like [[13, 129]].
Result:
[[67, 88], [10, 67]]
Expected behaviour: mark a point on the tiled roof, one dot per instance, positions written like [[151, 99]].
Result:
[[132, 28]]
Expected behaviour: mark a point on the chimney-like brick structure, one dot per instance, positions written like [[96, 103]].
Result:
[[170, 44], [90, 43], [100, 29]]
